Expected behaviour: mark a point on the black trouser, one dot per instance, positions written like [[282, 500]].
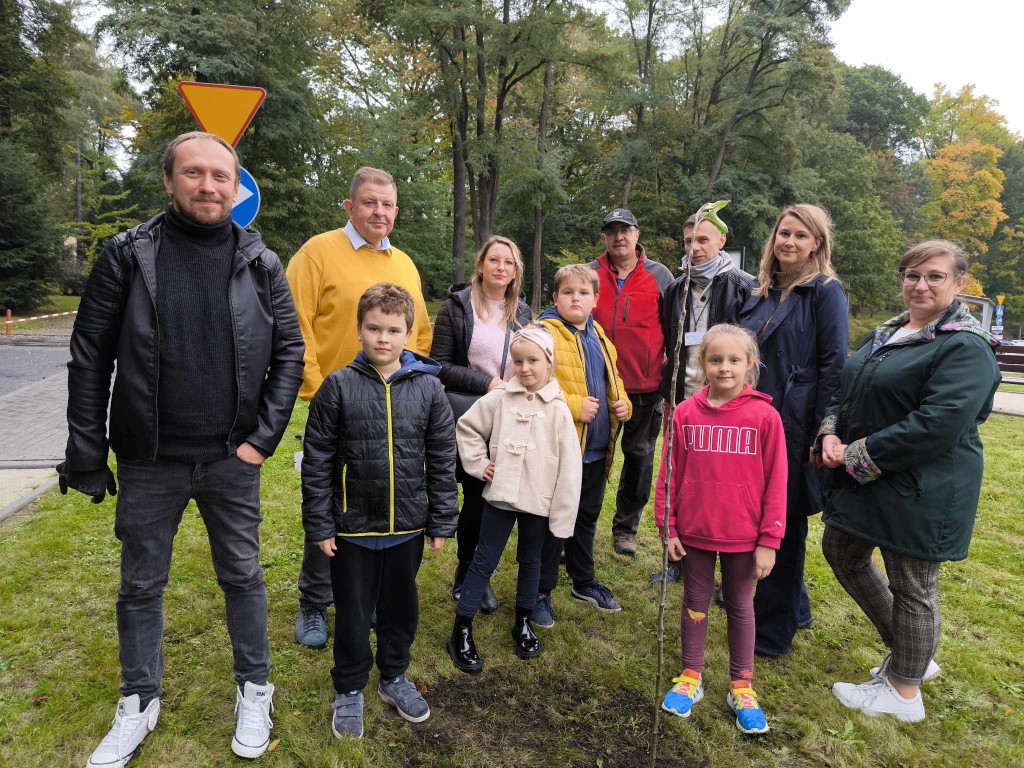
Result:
[[579, 548], [778, 598], [367, 579], [639, 438], [152, 497], [315, 577], [495, 528], [468, 532]]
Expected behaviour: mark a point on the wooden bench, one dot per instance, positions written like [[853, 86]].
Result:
[[1011, 363]]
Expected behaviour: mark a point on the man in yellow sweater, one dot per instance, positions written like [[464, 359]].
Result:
[[327, 276]]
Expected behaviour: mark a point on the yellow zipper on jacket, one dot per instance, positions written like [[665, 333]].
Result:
[[344, 489], [391, 454]]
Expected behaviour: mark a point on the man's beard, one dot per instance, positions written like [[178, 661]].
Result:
[[195, 214]]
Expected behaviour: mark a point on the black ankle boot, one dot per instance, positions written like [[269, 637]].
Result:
[[460, 576], [489, 601], [527, 643], [462, 649]]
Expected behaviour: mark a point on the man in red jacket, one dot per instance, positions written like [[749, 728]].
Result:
[[628, 309]]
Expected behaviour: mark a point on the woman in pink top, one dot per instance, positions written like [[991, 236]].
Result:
[[471, 342]]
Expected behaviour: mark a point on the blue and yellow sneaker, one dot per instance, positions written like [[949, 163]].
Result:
[[749, 716], [687, 691]]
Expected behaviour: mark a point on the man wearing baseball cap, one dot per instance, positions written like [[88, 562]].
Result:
[[628, 309]]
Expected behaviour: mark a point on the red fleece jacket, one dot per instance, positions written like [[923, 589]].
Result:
[[729, 472]]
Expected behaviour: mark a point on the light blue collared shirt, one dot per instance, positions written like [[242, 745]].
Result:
[[358, 241]]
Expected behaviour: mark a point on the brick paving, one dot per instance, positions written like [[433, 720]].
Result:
[[33, 422]]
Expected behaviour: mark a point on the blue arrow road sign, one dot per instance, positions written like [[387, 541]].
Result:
[[999, 314], [247, 204]]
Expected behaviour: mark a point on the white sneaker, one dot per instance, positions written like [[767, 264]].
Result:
[[933, 670], [253, 707], [853, 695], [884, 699], [130, 727]]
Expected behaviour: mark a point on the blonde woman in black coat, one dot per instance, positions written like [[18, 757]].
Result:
[[471, 342]]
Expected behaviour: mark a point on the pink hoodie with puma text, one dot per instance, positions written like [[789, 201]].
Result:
[[729, 472]]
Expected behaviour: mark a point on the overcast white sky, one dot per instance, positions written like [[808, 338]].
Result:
[[942, 41]]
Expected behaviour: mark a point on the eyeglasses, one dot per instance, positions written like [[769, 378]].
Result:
[[934, 279]]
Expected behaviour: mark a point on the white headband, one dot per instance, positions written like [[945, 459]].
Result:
[[541, 338]]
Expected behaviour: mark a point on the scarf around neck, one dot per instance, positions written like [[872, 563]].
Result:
[[710, 269]]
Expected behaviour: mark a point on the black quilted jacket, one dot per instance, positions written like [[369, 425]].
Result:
[[453, 331], [380, 457]]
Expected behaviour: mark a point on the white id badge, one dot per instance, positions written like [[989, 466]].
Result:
[[693, 338]]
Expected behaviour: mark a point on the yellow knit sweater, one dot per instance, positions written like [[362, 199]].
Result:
[[327, 276]]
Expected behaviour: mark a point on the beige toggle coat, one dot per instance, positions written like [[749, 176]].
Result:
[[532, 440]]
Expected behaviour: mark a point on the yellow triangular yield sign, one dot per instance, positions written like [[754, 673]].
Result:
[[1000, 298], [223, 110]]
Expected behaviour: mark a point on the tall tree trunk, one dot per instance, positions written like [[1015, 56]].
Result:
[[644, 70], [716, 169], [78, 178], [458, 207], [538, 209], [629, 175], [766, 42]]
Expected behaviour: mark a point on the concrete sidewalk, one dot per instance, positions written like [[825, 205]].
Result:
[[33, 423], [33, 435], [1009, 403]]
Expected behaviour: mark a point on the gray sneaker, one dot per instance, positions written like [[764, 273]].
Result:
[[400, 693], [624, 544], [348, 715], [311, 627]]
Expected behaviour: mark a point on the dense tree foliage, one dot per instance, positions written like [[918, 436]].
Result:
[[529, 118]]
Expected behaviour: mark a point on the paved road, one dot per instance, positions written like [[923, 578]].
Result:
[[21, 365], [33, 423]]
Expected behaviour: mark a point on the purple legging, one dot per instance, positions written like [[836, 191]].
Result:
[[738, 588]]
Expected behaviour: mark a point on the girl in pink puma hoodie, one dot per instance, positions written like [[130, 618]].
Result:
[[728, 492]]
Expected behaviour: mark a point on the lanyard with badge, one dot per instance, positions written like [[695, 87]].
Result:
[[692, 338]]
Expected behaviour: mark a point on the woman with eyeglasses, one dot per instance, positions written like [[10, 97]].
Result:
[[797, 311], [902, 438]]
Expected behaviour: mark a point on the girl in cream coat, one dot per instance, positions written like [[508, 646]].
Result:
[[521, 439]]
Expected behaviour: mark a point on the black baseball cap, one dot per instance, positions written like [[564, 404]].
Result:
[[620, 215]]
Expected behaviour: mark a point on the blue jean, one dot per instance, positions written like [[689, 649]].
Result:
[[150, 501], [495, 528]]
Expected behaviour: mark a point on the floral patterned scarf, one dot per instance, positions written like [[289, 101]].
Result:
[[957, 318]]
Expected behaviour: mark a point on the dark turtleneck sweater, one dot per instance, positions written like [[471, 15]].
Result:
[[197, 391]]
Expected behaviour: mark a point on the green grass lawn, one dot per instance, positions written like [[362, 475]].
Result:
[[1018, 388], [586, 702]]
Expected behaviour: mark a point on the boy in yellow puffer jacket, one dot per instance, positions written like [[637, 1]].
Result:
[[586, 372]]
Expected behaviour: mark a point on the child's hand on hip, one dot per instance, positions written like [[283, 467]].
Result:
[[434, 543], [328, 547], [764, 561], [589, 409], [489, 472], [675, 549], [621, 408]]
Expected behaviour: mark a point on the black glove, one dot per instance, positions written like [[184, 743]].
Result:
[[95, 483]]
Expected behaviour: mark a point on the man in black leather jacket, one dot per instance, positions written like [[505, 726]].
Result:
[[197, 314]]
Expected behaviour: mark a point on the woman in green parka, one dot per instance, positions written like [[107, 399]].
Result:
[[902, 437]]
